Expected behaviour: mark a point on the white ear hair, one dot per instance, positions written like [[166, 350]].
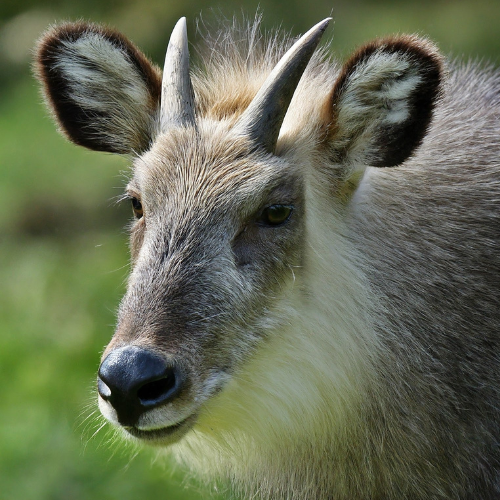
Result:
[[382, 104], [103, 91]]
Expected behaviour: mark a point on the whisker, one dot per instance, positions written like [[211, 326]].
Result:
[[98, 430]]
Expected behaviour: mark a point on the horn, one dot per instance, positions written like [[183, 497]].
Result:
[[177, 96], [262, 120]]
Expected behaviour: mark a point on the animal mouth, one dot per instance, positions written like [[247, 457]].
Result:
[[170, 433]]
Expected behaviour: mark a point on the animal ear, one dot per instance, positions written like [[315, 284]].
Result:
[[381, 105], [102, 90]]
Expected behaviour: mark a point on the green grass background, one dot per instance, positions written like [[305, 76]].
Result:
[[63, 246]]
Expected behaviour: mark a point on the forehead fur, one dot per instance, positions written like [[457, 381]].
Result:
[[207, 167]]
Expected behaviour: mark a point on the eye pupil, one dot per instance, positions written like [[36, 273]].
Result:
[[276, 214], [137, 207]]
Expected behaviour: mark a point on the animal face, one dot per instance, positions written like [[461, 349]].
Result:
[[214, 245]]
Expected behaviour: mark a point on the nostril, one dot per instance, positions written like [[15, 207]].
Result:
[[103, 390], [157, 391]]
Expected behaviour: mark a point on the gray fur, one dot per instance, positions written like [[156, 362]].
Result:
[[351, 352]]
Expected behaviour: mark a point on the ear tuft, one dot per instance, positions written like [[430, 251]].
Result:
[[382, 103], [102, 90]]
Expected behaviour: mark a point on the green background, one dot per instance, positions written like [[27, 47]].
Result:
[[63, 246]]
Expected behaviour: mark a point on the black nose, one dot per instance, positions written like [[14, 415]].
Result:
[[133, 380]]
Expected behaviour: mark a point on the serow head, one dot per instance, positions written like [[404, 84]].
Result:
[[220, 228]]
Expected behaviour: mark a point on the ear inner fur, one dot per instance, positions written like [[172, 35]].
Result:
[[396, 143], [72, 118]]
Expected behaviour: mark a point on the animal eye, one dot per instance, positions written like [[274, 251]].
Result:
[[137, 207], [276, 215]]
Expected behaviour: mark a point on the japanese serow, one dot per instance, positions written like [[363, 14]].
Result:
[[313, 307]]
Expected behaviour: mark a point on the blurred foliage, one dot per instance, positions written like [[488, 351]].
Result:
[[63, 248]]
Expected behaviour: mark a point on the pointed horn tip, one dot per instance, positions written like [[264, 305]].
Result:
[[180, 29], [181, 22], [322, 25], [178, 38], [315, 33]]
